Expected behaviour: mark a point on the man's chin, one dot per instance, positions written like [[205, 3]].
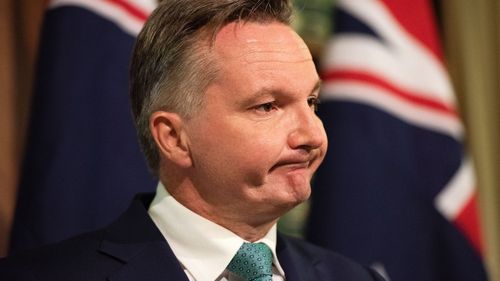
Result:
[[299, 186], [296, 196]]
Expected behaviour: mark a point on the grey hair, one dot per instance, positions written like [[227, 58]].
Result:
[[171, 64]]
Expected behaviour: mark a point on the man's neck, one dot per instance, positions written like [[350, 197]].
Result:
[[246, 222], [241, 222]]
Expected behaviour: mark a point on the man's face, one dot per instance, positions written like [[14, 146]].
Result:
[[257, 141]]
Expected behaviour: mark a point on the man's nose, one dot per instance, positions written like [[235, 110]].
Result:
[[308, 132]]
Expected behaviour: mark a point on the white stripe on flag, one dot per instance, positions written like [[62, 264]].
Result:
[[369, 94], [113, 12], [458, 192], [408, 67]]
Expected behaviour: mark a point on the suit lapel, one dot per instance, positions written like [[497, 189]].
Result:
[[296, 266], [135, 241], [154, 263]]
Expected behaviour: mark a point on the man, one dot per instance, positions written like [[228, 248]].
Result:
[[224, 95]]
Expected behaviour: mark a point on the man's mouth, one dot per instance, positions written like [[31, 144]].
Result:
[[294, 163]]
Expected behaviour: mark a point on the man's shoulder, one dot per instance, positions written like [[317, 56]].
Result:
[[129, 248], [327, 263], [64, 257], [82, 257]]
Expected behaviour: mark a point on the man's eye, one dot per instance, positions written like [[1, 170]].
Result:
[[265, 107], [313, 102]]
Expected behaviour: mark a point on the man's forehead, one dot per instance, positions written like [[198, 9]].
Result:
[[254, 40]]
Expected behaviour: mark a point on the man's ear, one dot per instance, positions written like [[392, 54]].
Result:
[[168, 132]]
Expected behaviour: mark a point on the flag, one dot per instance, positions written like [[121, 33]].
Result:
[[82, 162], [396, 190]]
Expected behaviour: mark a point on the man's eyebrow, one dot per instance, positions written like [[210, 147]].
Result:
[[268, 92], [317, 86], [257, 96], [263, 93]]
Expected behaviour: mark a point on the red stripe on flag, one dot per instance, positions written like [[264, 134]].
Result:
[[411, 97], [416, 18], [132, 10], [467, 221]]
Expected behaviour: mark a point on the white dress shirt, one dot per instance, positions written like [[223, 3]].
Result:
[[203, 247]]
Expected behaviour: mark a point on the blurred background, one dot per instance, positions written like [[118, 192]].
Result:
[[470, 37]]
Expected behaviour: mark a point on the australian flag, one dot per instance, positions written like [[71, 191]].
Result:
[[82, 161], [396, 190]]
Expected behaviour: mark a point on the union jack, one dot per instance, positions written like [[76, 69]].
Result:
[[397, 189]]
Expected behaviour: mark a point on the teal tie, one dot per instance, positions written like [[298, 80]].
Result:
[[253, 262]]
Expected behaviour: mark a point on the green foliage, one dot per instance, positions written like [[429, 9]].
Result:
[[313, 22]]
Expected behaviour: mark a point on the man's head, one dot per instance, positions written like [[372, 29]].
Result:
[[232, 114], [172, 65]]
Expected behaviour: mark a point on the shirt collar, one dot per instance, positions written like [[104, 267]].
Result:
[[203, 247]]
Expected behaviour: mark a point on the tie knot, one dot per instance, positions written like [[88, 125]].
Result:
[[253, 261]]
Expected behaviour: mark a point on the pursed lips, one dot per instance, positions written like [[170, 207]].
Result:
[[295, 163]]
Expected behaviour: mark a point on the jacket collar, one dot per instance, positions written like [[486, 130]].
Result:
[[134, 240], [297, 267]]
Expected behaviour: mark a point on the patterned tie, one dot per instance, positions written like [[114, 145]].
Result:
[[253, 262]]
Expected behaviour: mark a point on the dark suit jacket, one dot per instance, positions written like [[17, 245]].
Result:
[[133, 249]]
